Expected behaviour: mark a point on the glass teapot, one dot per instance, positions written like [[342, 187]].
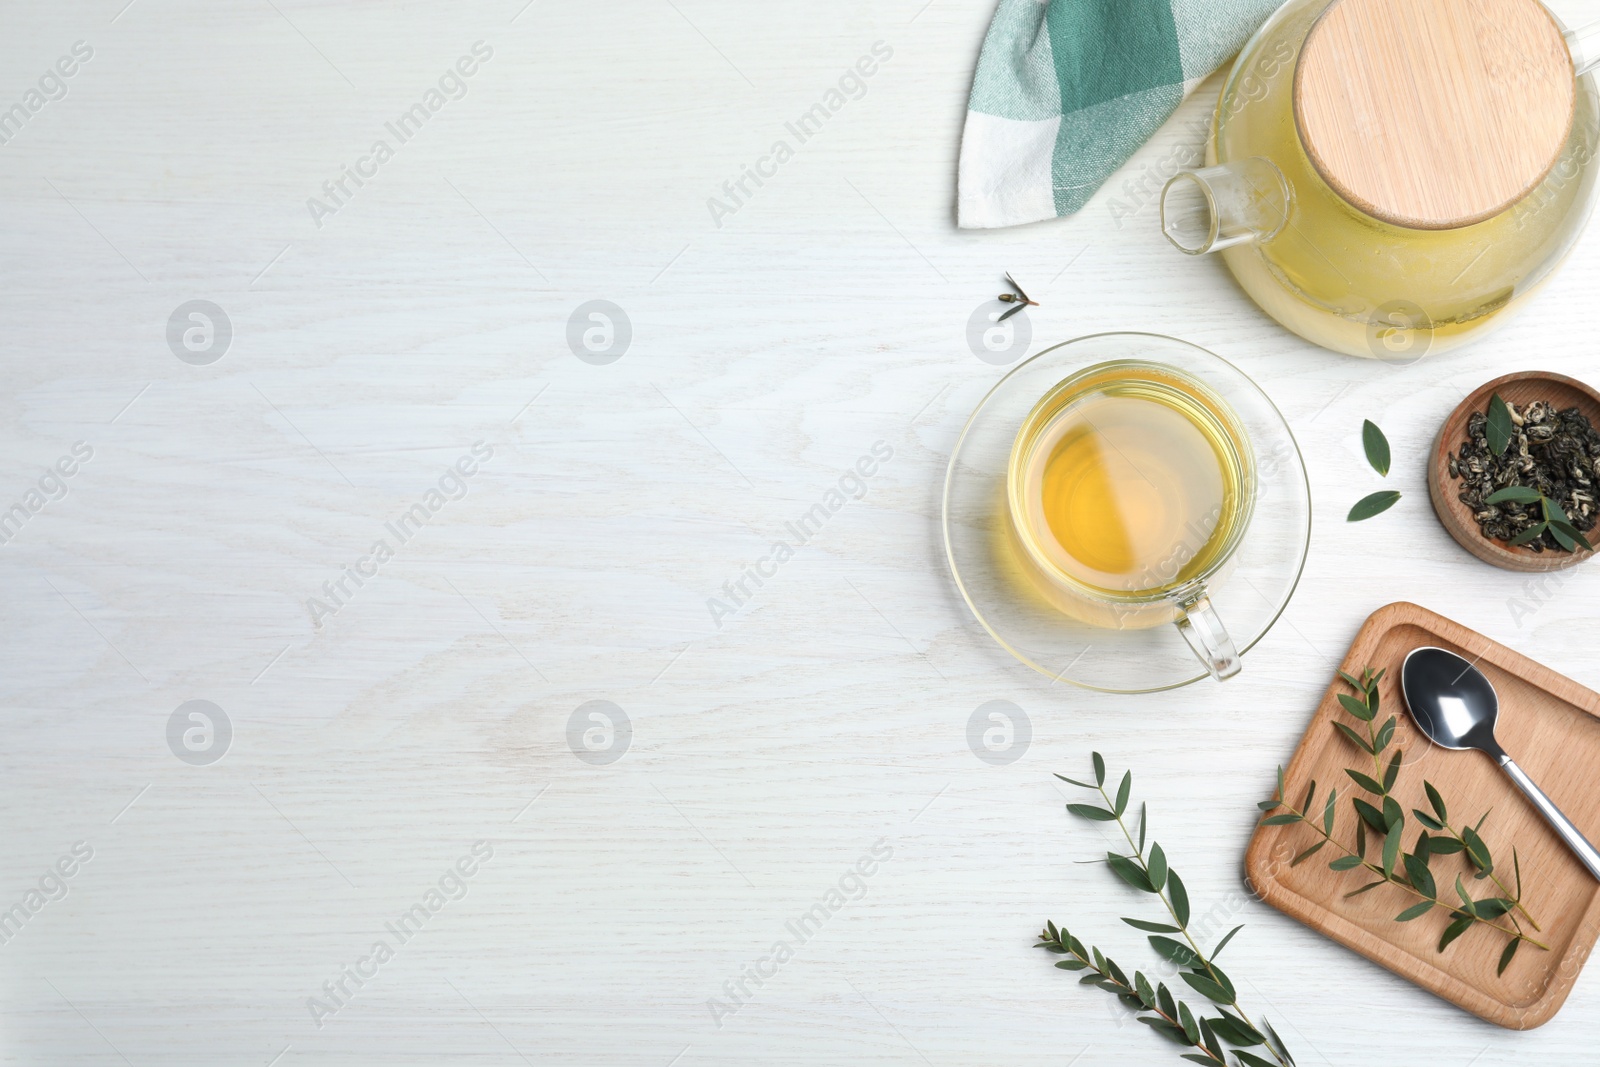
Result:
[[1390, 177]]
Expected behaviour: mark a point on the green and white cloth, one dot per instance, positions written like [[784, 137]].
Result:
[[1067, 90]]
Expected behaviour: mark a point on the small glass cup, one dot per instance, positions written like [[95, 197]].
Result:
[[1171, 585]]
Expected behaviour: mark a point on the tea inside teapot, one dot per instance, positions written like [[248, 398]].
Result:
[[1389, 177]]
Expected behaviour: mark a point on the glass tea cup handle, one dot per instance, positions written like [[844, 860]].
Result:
[[1198, 623]]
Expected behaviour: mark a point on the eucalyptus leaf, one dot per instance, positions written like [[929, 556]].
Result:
[[1176, 951], [1129, 872], [1369, 887], [1562, 528], [1190, 1027], [1089, 811], [1345, 863], [1477, 851], [1225, 939], [1562, 532], [1427, 820], [1392, 772], [1216, 974], [1155, 928], [1281, 820], [1156, 868], [1492, 907], [1365, 782], [1308, 853], [1251, 1060], [1328, 812], [1353, 737], [1392, 815], [1206, 987], [1531, 533], [1421, 877], [1498, 428], [1211, 1039], [1161, 1026], [1358, 708], [1391, 847], [1235, 1033], [1376, 445], [1122, 792], [1385, 734], [1141, 985], [1370, 815], [1505, 957], [1179, 897], [1099, 768], [1074, 781], [1468, 905], [1514, 494], [1277, 1042], [1372, 504], [1416, 911], [1436, 800], [1453, 931]]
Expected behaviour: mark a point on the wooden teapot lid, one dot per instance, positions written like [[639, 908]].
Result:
[[1434, 114]]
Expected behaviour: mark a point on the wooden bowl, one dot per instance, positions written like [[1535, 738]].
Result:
[[1520, 388]]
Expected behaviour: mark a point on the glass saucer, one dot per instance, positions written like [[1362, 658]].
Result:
[[1249, 599]]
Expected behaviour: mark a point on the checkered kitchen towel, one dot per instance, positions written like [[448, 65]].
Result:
[[1067, 90]]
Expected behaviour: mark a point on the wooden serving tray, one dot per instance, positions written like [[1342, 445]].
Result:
[[1551, 726]]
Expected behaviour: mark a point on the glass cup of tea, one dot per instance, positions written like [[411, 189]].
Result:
[[1129, 487]]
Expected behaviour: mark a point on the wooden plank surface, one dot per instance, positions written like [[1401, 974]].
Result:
[[432, 710]]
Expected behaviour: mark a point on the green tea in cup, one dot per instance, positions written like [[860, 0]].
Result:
[[1129, 486]]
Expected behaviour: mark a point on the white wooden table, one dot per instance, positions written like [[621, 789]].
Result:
[[376, 738]]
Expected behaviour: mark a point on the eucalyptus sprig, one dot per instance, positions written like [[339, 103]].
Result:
[[1149, 872], [1555, 520], [1409, 871]]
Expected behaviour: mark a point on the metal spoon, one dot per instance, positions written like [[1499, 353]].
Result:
[[1455, 705]]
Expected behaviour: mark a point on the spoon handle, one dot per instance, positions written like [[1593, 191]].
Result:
[[1563, 825]]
